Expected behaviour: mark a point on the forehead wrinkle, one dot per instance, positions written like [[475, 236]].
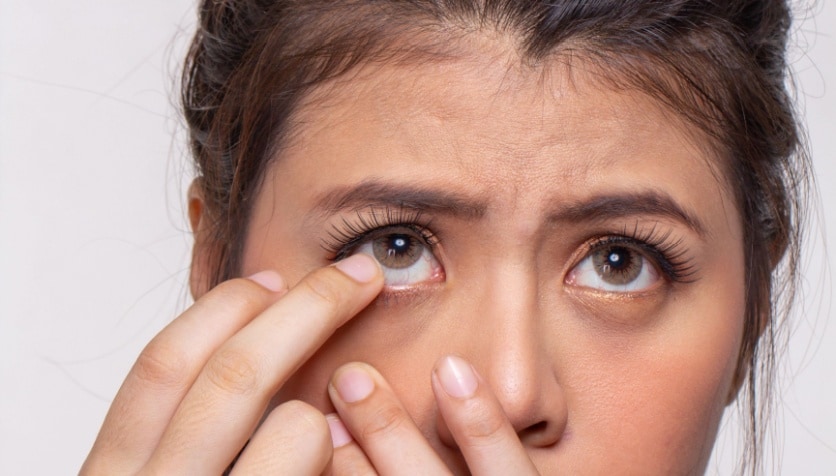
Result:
[[506, 166]]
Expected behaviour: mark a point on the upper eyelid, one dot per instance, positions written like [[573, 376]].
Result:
[[676, 263], [424, 233], [347, 233]]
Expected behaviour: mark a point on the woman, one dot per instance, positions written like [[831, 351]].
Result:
[[558, 229]]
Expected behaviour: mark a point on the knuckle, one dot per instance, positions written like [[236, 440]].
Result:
[[325, 288], [308, 418], [233, 371], [352, 464], [484, 428], [162, 364], [299, 421], [298, 407], [237, 295], [383, 421]]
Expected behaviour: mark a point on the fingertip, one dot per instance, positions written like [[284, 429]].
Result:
[[353, 382], [360, 267], [270, 280], [456, 376], [340, 436]]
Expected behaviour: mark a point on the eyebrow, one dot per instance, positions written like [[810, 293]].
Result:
[[651, 202], [374, 193]]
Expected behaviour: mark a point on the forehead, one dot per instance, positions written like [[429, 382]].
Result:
[[491, 126]]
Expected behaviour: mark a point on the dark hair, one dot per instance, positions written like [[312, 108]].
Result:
[[720, 65]]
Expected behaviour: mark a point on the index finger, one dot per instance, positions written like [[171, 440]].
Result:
[[230, 395]]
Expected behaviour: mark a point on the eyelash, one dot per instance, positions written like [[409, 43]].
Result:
[[350, 233], [664, 250]]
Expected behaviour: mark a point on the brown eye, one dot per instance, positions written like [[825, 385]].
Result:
[[398, 250], [617, 264], [614, 268], [405, 256]]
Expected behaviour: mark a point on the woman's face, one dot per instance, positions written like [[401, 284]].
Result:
[[574, 243]]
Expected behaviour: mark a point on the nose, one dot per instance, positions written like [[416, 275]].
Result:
[[510, 344]]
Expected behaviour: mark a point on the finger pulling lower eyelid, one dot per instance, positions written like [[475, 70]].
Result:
[[360, 267]]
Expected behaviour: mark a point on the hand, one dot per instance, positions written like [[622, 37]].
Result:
[[389, 442], [199, 389]]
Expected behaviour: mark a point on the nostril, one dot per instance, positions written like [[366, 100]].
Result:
[[540, 434], [537, 427]]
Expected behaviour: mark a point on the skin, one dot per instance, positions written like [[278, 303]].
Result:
[[548, 374]]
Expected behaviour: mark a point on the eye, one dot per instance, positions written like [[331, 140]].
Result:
[[615, 267], [406, 257]]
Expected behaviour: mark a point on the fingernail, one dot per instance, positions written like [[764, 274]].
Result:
[[360, 267], [339, 433], [269, 279], [353, 385], [456, 377]]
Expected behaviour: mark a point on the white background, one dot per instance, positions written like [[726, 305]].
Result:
[[94, 247]]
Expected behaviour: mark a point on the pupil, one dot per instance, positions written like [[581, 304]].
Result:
[[398, 244], [617, 264], [616, 259], [397, 250]]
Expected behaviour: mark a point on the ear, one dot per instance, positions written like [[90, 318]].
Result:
[[201, 269]]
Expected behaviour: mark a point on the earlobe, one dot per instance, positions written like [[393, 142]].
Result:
[[199, 276]]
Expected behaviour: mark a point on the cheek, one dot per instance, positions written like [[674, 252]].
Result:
[[389, 337], [657, 396], [647, 397], [397, 342]]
